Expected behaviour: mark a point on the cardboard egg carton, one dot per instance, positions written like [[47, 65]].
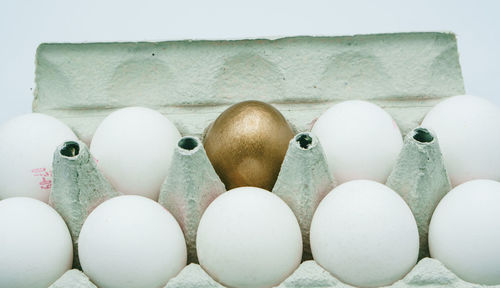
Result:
[[192, 82]]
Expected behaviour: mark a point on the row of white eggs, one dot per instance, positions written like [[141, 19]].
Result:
[[359, 126], [133, 147], [362, 232], [360, 140]]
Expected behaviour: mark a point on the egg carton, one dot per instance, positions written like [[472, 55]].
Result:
[[418, 176], [192, 82]]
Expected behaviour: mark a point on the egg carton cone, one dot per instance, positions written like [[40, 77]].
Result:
[[303, 181], [78, 187], [73, 279], [192, 82], [419, 177], [193, 276], [191, 185]]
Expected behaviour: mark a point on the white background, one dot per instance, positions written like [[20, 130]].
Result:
[[26, 24]]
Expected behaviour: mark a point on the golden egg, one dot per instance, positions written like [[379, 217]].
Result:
[[247, 144]]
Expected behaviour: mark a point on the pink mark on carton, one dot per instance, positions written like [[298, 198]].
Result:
[[395, 124], [45, 176]]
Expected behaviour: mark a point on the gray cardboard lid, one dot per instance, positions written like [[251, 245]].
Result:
[[192, 82]]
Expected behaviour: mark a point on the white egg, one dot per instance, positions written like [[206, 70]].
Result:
[[468, 130], [35, 244], [131, 241], [364, 233], [464, 233], [27, 145], [134, 147], [249, 237], [360, 140]]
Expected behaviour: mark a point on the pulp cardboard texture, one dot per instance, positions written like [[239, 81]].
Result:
[[193, 276], [191, 185], [74, 279], [303, 181], [421, 158], [428, 273], [78, 188], [192, 82]]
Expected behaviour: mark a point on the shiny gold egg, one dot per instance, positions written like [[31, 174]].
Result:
[[247, 144]]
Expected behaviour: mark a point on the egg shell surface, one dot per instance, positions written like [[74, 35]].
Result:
[[133, 147], [27, 147], [249, 237], [468, 130], [35, 244], [131, 241], [360, 141], [464, 233], [364, 234]]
